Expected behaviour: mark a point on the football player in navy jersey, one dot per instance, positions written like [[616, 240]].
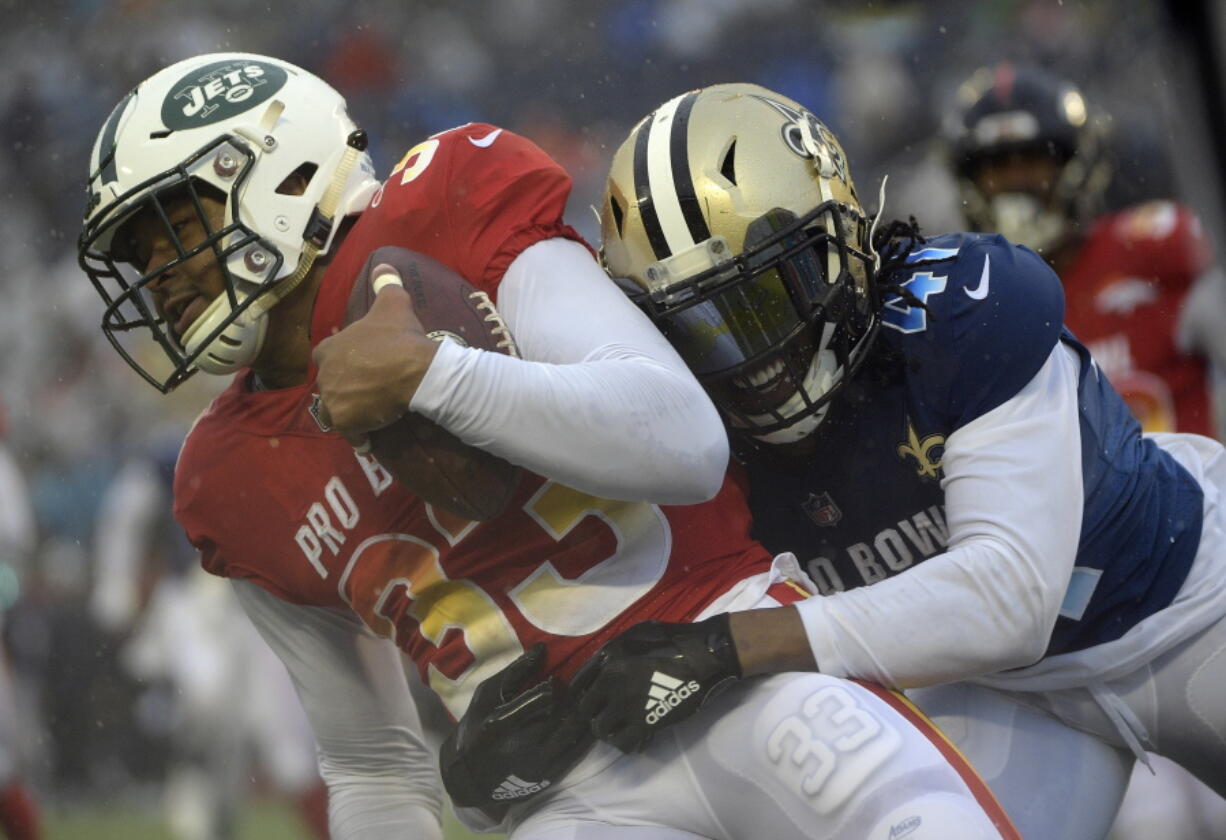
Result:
[[986, 520]]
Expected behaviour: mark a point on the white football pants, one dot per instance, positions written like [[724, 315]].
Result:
[[1055, 782], [796, 756], [788, 757], [1174, 705], [1168, 803], [1060, 769]]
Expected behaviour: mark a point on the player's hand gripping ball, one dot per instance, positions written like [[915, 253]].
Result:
[[399, 297]]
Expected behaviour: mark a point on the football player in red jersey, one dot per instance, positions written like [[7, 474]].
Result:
[[231, 209], [1028, 154]]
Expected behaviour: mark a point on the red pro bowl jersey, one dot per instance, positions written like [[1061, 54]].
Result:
[[1125, 291], [267, 497]]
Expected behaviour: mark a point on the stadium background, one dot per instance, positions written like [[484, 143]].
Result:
[[571, 76]]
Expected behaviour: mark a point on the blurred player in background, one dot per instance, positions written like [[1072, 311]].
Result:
[[19, 813], [1033, 162], [231, 210], [975, 503], [1140, 285], [183, 626]]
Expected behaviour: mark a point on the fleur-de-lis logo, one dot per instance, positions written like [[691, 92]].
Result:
[[923, 452], [808, 137]]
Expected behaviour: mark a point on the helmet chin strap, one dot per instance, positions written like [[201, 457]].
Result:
[[244, 336], [799, 430], [311, 250], [872, 228], [235, 346]]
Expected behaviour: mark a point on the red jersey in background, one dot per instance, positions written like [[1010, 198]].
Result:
[[1125, 289]]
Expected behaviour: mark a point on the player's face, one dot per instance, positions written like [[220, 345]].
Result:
[[1033, 174], [184, 290]]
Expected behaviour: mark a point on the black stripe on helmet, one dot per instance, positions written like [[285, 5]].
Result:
[[106, 143], [683, 182], [642, 193]]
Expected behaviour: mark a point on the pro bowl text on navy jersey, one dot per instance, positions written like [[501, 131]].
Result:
[[870, 503]]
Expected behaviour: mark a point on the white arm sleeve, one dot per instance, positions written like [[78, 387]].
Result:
[[605, 405], [382, 779], [1013, 496]]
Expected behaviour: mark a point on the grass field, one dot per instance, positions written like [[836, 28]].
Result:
[[258, 822]]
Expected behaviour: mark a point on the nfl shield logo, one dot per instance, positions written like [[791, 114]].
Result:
[[822, 509]]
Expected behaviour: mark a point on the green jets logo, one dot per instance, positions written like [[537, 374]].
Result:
[[218, 91]]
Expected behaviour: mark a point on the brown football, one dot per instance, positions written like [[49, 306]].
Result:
[[420, 454]]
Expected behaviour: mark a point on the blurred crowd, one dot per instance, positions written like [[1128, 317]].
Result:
[[570, 76]]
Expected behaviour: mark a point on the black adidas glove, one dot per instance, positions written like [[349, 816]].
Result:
[[652, 676], [515, 741]]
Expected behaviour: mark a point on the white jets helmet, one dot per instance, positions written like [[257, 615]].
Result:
[[239, 124], [733, 211]]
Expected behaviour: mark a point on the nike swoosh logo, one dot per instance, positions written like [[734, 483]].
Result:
[[486, 141], [981, 291]]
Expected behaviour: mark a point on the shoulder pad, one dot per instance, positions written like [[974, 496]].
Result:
[[474, 198], [991, 314]]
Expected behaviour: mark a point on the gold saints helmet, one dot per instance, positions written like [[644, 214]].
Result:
[[732, 210]]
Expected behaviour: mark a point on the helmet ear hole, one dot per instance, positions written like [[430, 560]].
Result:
[[297, 182], [728, 167], [616, 210]]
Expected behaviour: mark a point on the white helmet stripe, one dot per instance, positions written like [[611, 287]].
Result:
[[663, 185]]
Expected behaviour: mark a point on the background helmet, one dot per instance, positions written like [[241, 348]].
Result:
[[1015, 109], [732, 211], [239, 124]]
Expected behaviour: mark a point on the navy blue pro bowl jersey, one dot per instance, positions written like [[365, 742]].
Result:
[[869, 503]]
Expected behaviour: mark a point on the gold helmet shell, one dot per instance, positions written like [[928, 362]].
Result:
[[708, 163], [733, 210]]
